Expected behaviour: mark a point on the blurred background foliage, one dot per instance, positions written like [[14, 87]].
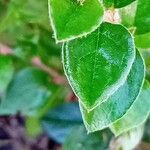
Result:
[[38, 109]]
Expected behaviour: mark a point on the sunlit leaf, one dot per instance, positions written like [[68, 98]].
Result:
[[71, 19], [119, 103], [98, 64]]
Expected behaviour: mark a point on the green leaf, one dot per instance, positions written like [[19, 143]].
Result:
[[97, 65], [142, 18], [6, 72], [142, 41], [137, 15], [80, 140], [71, 19], [58, 122], [136, 115], [26, 92], [117, 3], [118, 104], [127, 14]]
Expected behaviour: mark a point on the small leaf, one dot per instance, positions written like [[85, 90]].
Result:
[[78, 139], [117, 3], [97, 65], [70, 19], [25, 93], [59, 121], [136, 115], [6, 72], [119, 103]]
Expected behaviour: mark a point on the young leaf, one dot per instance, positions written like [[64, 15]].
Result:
[[117, 3], [71, 19], [136, 115], [118, 104], [97, 65], [6, 72]]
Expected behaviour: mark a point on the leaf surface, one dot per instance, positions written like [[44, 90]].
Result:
[[117, 3], [137, 114], [70, 19], [119, 103], [25, 93], [97, 65]]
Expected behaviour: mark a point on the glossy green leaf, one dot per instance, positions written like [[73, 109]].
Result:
[[117, 3], [58, 122], [97, 65], [118, 104], [71, 19], [80, 140], [25, 93], [142, 18], [136, 115], [142, 41], [6, 72]]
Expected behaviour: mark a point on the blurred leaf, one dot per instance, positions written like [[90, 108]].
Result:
[[6, 72], [78, 139], [142, 18], [128, 140], [59, 122], [127, 14], [117, 3], [26, 92], [136, 115], [146, 137], [142, 41], [70, 19], [119, 103], [137, 15], [25, 11]]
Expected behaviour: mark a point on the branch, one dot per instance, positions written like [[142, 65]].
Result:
[[57, 78], [112, 16]]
